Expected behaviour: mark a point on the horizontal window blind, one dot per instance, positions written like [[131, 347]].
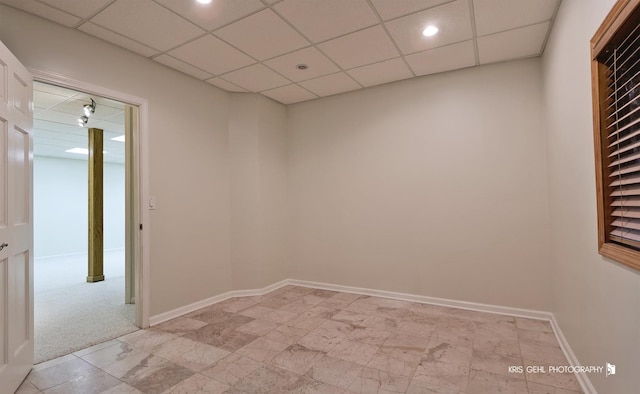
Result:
[[621, 127]]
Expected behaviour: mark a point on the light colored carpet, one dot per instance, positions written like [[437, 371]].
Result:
[[71, 314]]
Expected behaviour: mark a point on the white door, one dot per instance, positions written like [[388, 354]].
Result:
[[16, 222]]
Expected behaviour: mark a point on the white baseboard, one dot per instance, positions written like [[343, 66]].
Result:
[[472, 306], [584, 381], [172, 314]]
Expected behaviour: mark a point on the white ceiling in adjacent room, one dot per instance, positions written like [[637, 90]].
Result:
[[56, 129], [256, 45]]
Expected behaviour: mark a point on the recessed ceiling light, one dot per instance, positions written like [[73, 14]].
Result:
[[430, 31], [121, 138], [204, 1], [302, 66], [80, 151]]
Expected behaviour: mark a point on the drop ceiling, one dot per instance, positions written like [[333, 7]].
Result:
[[55, 123], [255, 45]]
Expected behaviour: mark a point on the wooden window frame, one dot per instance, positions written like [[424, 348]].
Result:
[[613, 26]]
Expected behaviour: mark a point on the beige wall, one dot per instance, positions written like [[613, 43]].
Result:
[[188, 146], [596, 300], [433, 186], [257, 145]]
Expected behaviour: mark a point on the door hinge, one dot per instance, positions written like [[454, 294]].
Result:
[[140, 226]]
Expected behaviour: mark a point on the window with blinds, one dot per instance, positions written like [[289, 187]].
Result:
[[616, 98]]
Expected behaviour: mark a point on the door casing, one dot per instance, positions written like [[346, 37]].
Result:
[[138, 169]]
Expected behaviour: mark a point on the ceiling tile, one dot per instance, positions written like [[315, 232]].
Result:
[[321, 20], [364, 47], [147, 22], [51, 125], [182, 66], [289, 94], [330, 84], [115, 38], [262, 35], [451, 57], [222, 84], [393, 9], [512, 14], [46, 99], [213, 15], [512, 44], [453, 20], [44, 11], [383, 72], [256, 78], [212, 55], [83, 9], [317, 62]]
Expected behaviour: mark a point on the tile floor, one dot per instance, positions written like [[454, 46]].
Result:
[[303, 340]]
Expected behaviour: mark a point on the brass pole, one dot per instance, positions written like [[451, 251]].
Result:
[[96, 247]]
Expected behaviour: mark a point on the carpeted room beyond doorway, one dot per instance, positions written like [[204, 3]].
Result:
[[71, 314]]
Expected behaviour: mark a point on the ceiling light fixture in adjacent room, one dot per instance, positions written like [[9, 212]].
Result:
[[204, 1], [82, 121], [89, 109], [430, 31], [119, 138]]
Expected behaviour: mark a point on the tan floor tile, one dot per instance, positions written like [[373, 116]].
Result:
[[370, 336], [445, 375], [181, 325], [372, 380], [174, 348], [133, 365], [262, 349], [160, 378], [27, 388], [538, 336], [267, 379], [118, 351], [333, 328], [542, 353], [306, 385], [350, 317], [382, 323], [419, 387], [537, 388], [533, 324], [231, 369], [257, 327], [286, 336], [448, 353], [147, 339], [495, 363], [96, 381], [198, 384], [334, 371], [296, 358], [200, 357], [320, 343], [359, 353], [96, 347], [58, 373], [482, 382], [396, 360], [122, 388]]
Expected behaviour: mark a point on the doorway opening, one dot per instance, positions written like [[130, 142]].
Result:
[[70, 313]]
